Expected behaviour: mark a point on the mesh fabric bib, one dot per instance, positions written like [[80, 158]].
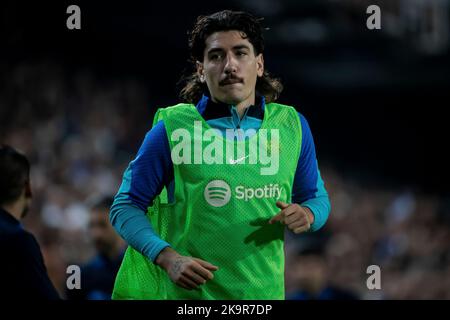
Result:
[[222, 205]]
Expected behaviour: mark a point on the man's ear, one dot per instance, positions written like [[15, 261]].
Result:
[[260, 65], [200, 71], [28, 193]]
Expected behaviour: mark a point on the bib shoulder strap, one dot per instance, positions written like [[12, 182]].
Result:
[[171, 111]]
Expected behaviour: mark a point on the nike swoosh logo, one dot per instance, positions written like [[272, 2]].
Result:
[[232, 161]]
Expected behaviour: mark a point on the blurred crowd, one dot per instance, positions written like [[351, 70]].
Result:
[[80, 131], [77, 135], [404, 232]]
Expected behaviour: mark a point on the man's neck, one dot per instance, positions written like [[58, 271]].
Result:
[[14, 209], [243, 105]]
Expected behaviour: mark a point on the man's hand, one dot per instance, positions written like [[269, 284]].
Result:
[[298, 219], [186, 272]]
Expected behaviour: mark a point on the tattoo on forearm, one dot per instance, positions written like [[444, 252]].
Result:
[[177, 264]]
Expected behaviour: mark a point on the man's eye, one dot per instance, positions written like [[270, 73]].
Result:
[[241, 53], [215, 57]]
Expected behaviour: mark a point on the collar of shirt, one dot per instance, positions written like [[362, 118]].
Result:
[[212, 110]]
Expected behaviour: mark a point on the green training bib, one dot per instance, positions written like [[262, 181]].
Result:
[[225, 194]]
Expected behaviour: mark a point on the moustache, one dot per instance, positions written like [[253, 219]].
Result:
[[231, 80]]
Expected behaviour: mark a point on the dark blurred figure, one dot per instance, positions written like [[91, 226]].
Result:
[[23, 274], [312, 277], [98, 275]]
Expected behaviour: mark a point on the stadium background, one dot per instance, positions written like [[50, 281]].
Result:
[[78, 103]]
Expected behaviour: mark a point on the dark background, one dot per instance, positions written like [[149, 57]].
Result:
[[375, 101]]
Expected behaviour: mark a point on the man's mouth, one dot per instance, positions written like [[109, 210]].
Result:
[[230, 81]]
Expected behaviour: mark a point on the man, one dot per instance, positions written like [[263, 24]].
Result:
[[97, 276], [311, 275], [221, 176], [22, 271]]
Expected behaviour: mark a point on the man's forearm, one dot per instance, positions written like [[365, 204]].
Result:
[[165, 256], [310, 214], [320, 208], [133, 226]]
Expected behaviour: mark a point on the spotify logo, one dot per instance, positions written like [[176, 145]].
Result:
[[217, 193]]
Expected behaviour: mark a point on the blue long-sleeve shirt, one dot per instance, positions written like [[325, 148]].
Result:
[[152, 169]]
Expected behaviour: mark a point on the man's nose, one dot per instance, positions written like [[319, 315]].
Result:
[[230, 64]]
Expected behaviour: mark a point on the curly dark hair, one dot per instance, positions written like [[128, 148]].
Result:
[[226, 20]]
